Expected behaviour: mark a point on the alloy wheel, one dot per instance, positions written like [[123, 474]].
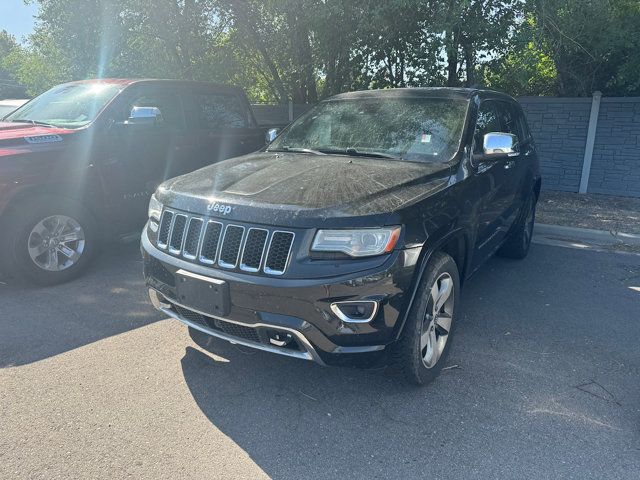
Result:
[[436, 324], [56, 243]]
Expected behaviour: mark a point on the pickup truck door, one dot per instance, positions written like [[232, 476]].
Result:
[[220, 125], [137, 157], [492, 181]]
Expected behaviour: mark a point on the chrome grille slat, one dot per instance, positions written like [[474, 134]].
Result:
[[178, 227], [192, 238], [210, 243], [254, 247], [225, 245], [165, 229], [231, 246], [279, 253]]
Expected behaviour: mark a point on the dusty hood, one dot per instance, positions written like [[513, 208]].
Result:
[[287, 188]]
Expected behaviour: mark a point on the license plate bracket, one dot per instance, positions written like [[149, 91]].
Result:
[[207, 295]]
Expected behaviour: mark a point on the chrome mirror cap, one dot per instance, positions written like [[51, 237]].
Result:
[[145, 114], [497, 143]]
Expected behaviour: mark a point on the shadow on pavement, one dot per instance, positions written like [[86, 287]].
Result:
[[110, 298], [530, 334]]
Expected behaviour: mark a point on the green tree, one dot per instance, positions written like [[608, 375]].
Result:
[[9, 88], [475, 32], [594, 44], [304, 50], [525, 68]]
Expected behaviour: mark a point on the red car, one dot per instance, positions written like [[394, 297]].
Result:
[[79, 163]]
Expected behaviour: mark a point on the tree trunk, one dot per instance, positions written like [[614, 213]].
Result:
[[469, 62], [453, 43], [300, 44]]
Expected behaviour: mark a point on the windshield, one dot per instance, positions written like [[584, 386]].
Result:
[[70, 106], [415, 129]]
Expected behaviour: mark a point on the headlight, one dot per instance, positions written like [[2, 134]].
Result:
[[155, 208], [357, 243]]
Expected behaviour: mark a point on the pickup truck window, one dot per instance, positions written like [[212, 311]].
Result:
[[214, 110], [69, 106], [168, 104], [410, 128]]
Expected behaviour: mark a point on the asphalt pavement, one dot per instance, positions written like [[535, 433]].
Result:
[[543, 382]]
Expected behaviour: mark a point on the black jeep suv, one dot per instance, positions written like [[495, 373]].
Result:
[[348, 238]]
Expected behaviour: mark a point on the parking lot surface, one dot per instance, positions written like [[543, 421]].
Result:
[[543, 383]]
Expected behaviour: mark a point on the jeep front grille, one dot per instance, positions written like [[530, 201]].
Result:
[[279, 250], [165, 229], [231, 243], [209, 249], [225, 245], [254, 247], [177, 233], [192, 240]]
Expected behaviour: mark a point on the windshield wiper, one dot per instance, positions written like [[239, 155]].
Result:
[[33, 122], [352, 152], [296, 150]]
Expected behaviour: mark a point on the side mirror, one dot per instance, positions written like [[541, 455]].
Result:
[[145, 116], [496, 146], [271, 135], [500, 144]]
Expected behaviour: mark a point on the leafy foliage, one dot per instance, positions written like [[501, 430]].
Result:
[[8, 86], [304, 50]]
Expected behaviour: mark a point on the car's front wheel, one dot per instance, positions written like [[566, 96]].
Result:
[[49, 241], [422, 349]]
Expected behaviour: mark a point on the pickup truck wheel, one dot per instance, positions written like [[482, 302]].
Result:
[[519, 241], [50, 241], [421, 351]]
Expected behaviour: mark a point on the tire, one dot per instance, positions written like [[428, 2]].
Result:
[[411, 351], [48, 225], [518, 243]]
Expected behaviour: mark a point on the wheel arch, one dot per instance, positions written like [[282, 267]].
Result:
[[456, 244]]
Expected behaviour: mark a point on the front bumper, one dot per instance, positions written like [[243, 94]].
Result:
[[260, 306]]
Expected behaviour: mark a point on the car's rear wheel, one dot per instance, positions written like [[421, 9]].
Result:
[[49, 241], [421, 351], [518, 243]]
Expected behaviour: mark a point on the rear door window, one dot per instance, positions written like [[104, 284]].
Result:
[[167, 102], [526, 133], [210, 111], [510, 120]]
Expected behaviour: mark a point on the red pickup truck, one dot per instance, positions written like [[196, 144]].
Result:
[[79, 163]]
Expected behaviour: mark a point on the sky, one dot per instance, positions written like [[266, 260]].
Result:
[[17, 18]]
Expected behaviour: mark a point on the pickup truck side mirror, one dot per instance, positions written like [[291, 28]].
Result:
[[498, 145], [145, 116], [270, 135]]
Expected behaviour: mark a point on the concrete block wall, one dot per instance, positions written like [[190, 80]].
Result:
[[615, 167], [277, 114], [559, 127]]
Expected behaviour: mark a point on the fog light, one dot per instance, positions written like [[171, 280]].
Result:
[[362, 311]]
